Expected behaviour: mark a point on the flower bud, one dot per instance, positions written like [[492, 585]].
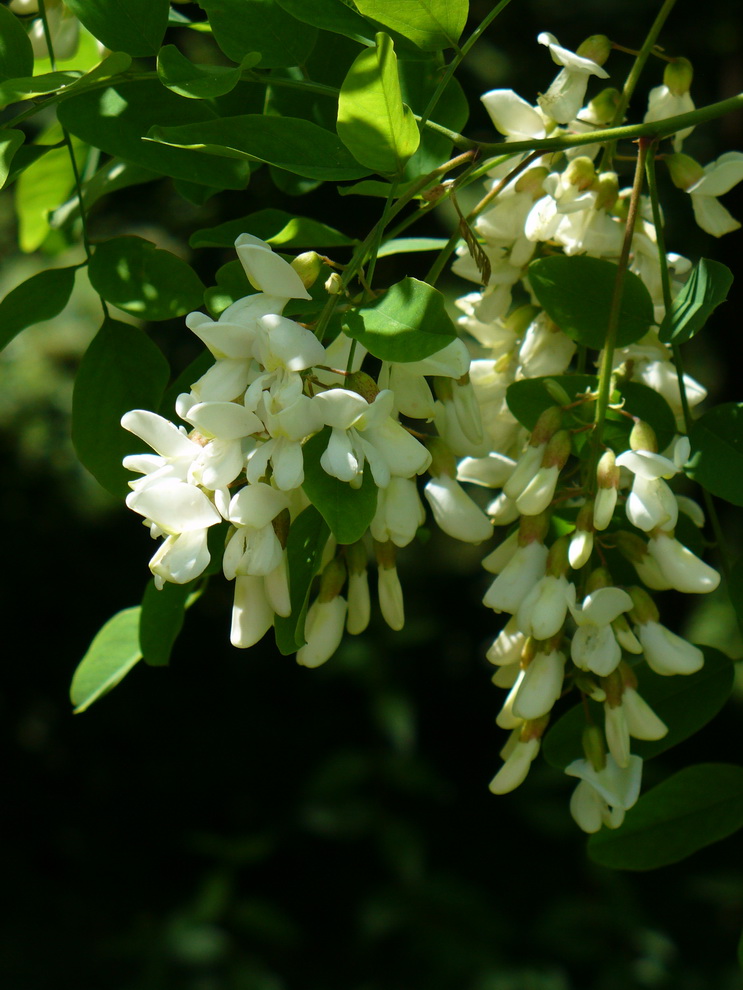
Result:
[[518, 321], [581, 541], [607, 476], [607, 190], [363, 384], [685, 171], [581, 173], [594, 749], [332, 580], [604, 105], [308, 266], [642, 437], [532, 181], [597, 47], [644, 608], [334, 284], [677, 75], [556, 391], [683, 569]]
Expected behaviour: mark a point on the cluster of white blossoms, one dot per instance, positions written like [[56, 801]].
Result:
[[240, 460], [272, 387], [571, 625]]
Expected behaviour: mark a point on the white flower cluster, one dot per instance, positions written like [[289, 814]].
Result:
[[273, 386], [571, 625]]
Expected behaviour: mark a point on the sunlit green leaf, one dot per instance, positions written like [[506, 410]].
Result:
[[121, 370], [29, 87], [293, 144], [373, 122], [243, 26], [577, 293], [307, 538], [348, 511], [408, 323], [143, 280], [110, 657], [430, 24], [41, 188], [277, 227], [115, 120], [411, 245], [331, 15], [39, 298], [697, 806], [133, 26]]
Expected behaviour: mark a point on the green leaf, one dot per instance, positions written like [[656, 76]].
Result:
[[374, 124], [41, 188], [276, 227], [527, 399], [199, 82], [243, 26], [121, 370], [114, 175], [161, 619], [705, 289], [293, 144], [696, 807], [430, 24], [143, 280], [419, 81], [133, 26], [410, 245], [684, 703], [16, 54], [232, 284], [577, 291], [110, 657], [10, 142], [331, 15], [735, 590], [39, 298], [408, 323], [115, 120], [647, 404], [372, 187], [348, 511], [29, 87], [716, 460], [307, 538]]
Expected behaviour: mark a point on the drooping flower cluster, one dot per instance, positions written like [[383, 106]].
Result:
[[572, 625]]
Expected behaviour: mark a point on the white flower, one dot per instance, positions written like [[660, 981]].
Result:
[[266, 271], [603, 796], [663, 103], [719, 177], [252, 614], [683, 570], [667, 653], [512, 115], [651, 502], [517, 578], [507, 645], [455, 512], [389, 591], [566, 94], [594, 645], [254, 547], [323, 630], [399, 513], [516, 766], [543, 610], [539, 685]]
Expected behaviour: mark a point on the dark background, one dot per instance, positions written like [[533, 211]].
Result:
[[235, 822]]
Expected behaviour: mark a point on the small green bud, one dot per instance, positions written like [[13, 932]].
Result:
[[546, 426], [557, 451], [363, 384], [599, 578], [443, 461], [607, 189], [308, 267], [557, 558], [518, 321], [604, 105], [332, 580], [556, 391], [614, 688], [684, 170], [533, 529], [642, 437], [607, 472], [532, 181], [386, 554], [534, 728], [594, 747], [356, 557], [678, 76], [597, 48], [581, 172], [333, 284], [644, 608]]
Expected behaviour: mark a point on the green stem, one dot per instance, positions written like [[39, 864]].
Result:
[[457, 60], [665, 279], [610, 343], [633, 77], [379, 230]]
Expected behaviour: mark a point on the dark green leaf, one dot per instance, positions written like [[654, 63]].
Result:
[[115, 120], [199, 82], [16, 54], [684, 703], [716, 460], [143, 280], [374, 124], [296, 145], [331, 15], [161, 619], [735, 590], [348, 511], [10, 142], [121, 370], [408, 323], [430, 24], [527, 399], [292, 184], [648, 405], [133, 26], [39, 298], [110, 657], [373, 187], [307, 538], [419, 81], [696, 807], [232, 284], [577, 291], [243, 26], [277, 227], [29, 87], [705, 289]]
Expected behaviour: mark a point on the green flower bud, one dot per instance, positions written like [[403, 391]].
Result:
[[685, 171], [332, 580], [581, 172], [333, 284], [364, 384], [644, 608], [597, 48], [603, 106], [594, 747], [642, 437], [308, 266], [678, 75]]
